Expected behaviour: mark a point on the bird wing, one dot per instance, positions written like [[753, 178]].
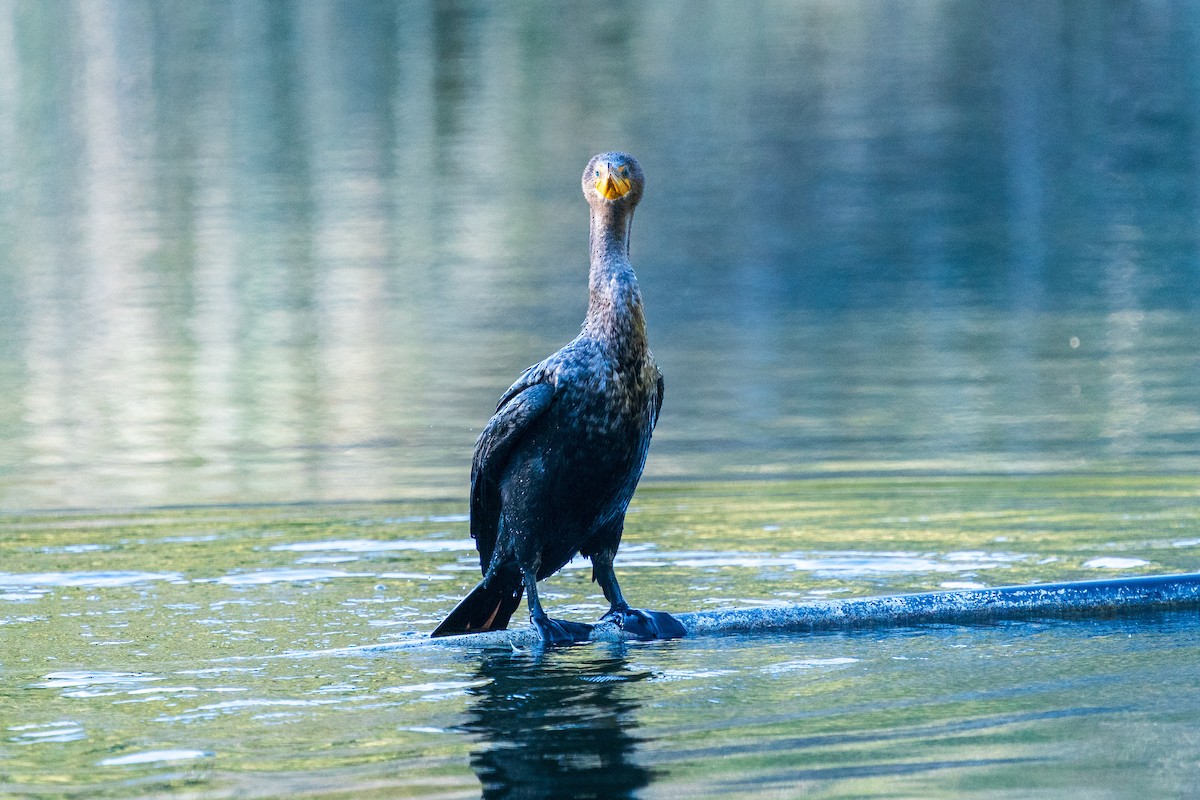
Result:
[[523, 403], [530, 377], [660, 390]]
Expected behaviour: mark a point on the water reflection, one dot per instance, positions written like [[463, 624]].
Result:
[[552, 725], [258, 251]]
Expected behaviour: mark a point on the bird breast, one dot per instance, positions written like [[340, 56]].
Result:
[[610, 398]]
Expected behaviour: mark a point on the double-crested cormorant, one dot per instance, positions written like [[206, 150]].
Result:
[[557, 464]]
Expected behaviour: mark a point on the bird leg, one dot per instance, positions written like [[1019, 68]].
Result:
[[642, 624], [552, 631]]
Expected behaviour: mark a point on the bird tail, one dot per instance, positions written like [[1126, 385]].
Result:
[[486, 608]]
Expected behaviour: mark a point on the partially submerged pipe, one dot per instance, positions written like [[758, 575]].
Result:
[[967, 606]]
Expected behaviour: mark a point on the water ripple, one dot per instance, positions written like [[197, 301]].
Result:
[[809, 663], [86, 579], [84, 678], [846, 564], [435, 686], [62, 731], [154, 757], [1113, 562], [432, 518], [286, 575], [375, 546]]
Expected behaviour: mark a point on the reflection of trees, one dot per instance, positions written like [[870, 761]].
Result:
[[553, 728], [276, 243]]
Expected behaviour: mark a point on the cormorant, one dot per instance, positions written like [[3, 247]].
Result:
[[556, 466]]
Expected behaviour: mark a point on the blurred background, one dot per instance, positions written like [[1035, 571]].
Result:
[[282, 252]]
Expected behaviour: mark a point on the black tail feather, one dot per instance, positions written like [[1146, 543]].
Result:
[[486, 608]]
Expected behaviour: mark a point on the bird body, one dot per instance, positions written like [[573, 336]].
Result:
[[570, 480], [556, 466]]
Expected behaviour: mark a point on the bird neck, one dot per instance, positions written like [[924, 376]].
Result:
[[615, 300]]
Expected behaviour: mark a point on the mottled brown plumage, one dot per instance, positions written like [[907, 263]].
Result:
[[556, 466]]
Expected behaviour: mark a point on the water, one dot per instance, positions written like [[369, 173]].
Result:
[[923, 281], [219, 652]]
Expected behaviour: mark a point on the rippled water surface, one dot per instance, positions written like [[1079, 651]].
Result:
[[231, 652], [924, 279]]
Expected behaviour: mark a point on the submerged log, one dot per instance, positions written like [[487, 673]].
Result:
[[1078, 599], [1100, 598]]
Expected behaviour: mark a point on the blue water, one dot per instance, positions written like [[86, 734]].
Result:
[[923, 278], [258, 252]]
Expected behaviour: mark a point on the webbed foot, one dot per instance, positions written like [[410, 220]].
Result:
[[645, 625], [561, 631]]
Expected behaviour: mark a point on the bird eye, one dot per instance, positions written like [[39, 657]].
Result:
[[624, 170], [597, 173]]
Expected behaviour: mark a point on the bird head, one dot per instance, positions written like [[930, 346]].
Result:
[[613, 178]]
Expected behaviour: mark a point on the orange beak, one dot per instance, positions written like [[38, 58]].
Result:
[[611, 183]]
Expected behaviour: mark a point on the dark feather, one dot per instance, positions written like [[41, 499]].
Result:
[[520, 406], [488, 607]]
